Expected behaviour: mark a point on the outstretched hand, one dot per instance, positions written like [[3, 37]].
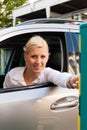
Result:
[[73, 82]]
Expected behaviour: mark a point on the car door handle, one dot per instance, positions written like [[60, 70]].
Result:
[[65, 102]]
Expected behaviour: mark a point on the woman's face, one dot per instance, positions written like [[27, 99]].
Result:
[[36, 59]]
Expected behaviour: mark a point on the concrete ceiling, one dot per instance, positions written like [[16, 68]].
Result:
[[64, 8], [70, 6]]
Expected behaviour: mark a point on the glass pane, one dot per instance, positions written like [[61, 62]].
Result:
[[73, 52], [5, 54]]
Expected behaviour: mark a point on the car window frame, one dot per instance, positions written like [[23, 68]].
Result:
[[27, 87]]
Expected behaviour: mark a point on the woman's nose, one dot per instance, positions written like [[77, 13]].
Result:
[[38, 60]]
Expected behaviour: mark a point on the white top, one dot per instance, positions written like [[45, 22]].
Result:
[[15, 77]]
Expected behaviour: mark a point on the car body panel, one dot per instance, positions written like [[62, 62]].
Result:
[[31, 109], [13, 31]]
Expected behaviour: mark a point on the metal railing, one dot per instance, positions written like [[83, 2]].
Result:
[[51, 20]]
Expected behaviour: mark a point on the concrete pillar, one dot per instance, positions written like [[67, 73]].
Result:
[[14, 21], [48, 11], [79, 16]]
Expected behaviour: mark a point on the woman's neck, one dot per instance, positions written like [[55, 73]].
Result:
[[29, 76]]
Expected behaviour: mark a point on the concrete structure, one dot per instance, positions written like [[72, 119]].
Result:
[[51, 8]]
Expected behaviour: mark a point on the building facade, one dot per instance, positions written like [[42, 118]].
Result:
[[33, 9]]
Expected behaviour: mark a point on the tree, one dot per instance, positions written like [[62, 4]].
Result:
[[6, 7]]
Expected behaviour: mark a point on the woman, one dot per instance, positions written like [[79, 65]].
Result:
[[36, 54]]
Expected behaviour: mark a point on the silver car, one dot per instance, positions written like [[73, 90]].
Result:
[[41, 106]]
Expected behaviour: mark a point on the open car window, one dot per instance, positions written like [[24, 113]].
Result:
[[13, 52]]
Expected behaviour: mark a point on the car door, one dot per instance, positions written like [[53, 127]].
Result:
[[39, 107]]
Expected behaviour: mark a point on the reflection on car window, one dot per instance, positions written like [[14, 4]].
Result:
[[73, 52], [5, 54]]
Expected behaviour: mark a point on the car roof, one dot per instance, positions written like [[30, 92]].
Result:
[[39, 25]]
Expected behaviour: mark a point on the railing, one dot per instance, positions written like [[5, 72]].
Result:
[[52, 20]]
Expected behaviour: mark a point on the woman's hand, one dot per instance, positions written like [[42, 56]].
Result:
[[73, 82]]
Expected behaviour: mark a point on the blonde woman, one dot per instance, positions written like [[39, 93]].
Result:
[[36, 55]]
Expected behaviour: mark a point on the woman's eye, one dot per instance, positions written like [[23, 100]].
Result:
[[43, 57], [34, 56]]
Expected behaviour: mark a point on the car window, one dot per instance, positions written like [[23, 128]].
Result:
[[5, 54], [73, 51], [12, 49]]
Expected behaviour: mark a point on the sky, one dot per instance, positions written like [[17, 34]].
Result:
[[1, 0], [31, 1]]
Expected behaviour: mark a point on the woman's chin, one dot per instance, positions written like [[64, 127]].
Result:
[[37, 72]]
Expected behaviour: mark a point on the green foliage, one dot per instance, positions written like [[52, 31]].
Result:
[[6, 8]]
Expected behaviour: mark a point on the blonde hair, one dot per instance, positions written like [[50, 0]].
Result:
[[35, 42]]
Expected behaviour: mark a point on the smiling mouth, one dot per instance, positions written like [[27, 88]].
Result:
[[37, 67]]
